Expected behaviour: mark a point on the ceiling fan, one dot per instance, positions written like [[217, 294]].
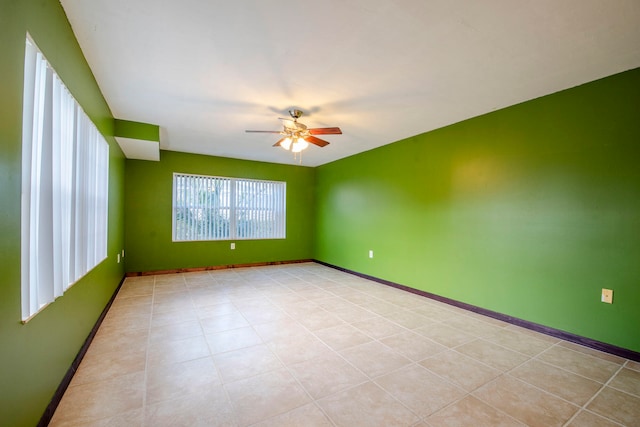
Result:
[[297, 136]]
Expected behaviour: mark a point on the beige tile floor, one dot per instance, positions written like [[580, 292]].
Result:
[[306, 345]]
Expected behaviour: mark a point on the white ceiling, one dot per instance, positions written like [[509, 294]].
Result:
[[381, 70]]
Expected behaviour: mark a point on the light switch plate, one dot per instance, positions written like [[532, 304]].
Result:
[[607, 296]]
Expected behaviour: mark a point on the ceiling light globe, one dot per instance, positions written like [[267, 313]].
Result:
[[296, 147]]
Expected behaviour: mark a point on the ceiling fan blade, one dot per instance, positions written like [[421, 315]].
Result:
[[316, 141], [325, 131], [277, 144], [263, 131]]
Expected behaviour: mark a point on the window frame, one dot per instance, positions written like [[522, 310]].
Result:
[[65, 187], [275, 207]]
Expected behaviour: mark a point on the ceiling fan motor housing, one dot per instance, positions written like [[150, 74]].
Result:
[[296, 114]]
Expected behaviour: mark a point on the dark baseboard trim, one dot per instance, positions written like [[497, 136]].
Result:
[[66, 380], [214, 267], [557, 333]]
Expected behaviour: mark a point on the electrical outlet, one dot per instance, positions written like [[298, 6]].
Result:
[[370, 254], [607, 296], [123, 253], [118, 258], [233, 246]]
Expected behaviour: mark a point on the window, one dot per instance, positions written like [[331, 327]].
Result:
[[65, 171], [219, 208]]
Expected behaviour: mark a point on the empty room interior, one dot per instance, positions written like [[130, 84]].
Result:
[[393, 213]]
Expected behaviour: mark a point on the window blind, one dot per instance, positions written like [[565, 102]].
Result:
[[65, 166], [221, 208]]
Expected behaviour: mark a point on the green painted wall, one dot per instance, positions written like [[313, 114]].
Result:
[[136, 130], [528, 211], [148, 214], [35, 357]]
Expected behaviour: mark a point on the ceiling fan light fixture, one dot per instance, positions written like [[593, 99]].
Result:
[[286, 143], [299, 145]]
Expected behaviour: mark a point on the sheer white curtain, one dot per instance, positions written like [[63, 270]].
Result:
[[64, 187]]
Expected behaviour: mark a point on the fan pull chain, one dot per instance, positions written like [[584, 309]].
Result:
[[298, 156]]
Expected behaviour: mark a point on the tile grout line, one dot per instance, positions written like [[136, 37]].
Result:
[[530, 358], [595, 395], [502, 374], [374, 339], [416, 363], [470, 395], [215, 365], [295, 378], [349, 363], [312, 400], [224, 383], [546, 391], [146, 359], [476, 337], [312, 333], [559, 344]]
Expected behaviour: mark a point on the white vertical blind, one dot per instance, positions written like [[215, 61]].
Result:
[[219, 208], [65, 166]]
